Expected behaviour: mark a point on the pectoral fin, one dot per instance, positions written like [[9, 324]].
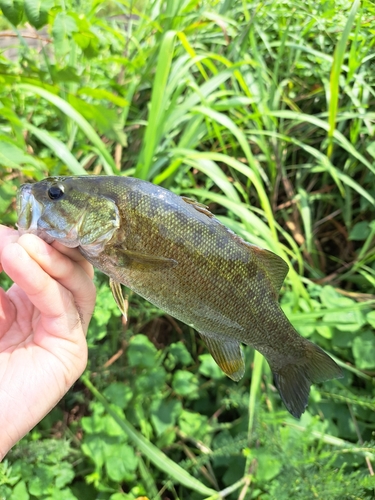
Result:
[[227, 354], [117, 295], [142, 262]]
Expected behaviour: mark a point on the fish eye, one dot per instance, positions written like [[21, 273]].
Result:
[[55, 192]]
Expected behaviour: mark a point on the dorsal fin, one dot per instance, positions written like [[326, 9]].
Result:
[[274, 266], [198, 206]]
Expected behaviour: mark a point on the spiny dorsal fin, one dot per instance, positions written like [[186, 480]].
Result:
[[198, 206], [274, 266]]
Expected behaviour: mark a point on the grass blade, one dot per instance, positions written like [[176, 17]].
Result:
[[341, 139], [69, 111], [157, 107], [58, 147], [252, 175], [338, 59], [256, 377]]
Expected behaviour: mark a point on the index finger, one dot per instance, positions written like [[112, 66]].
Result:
[[7, 235], [75, 255], [69, 273]]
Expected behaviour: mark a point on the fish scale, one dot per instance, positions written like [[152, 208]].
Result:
[[173, 252]]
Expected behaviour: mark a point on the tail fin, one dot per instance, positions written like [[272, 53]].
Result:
[[293, 381]]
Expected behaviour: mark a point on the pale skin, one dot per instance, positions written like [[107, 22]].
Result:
[[43, 324]]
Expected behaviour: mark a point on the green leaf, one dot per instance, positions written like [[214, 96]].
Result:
[[7, 195], [209, 368], [269, 466], [64, 75], [103, 94], [64, 474], [157, 457], [120, 462], [58, 147], [364, 350], [99, 115], [119, 394], [164, 414], [360, 231], [83, 124], [63, 27], [20, 492], [371, 318], [93, 424], [93, 446], [12, 156], [343, 339], [338, 59], [43, 480], [178, 354], [185, 384], [325, 330], [346, 317], [371, 149], [141, 352], [157, 106], [64, 494], [233, 472], [111, 427], [151, 381], [37, 12], [193, 424], [12, 10]]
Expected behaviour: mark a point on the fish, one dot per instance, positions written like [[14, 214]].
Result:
[[173, 252]]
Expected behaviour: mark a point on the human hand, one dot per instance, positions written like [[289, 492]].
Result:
[[43, 321]]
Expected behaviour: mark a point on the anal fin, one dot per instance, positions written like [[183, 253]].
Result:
[[227, 354]]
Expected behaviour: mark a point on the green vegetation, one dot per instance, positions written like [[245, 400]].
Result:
[[264, 112]]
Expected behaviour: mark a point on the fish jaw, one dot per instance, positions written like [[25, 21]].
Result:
[[30, 220], [29, 212], [76, 219]]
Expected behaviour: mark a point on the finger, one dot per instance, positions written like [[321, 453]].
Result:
[[7, 312], [62, 268], [51, 298], [5, 232], [7, 235], [43, 291], [75, 254]]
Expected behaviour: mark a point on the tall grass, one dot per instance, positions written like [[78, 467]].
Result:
[[263, 111]]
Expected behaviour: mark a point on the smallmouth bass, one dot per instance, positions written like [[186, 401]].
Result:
[[173, 252]]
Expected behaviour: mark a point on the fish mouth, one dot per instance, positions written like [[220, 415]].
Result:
[[29, 211]]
